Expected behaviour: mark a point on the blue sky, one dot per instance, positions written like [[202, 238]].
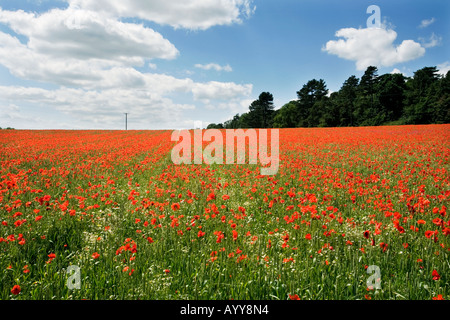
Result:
[[80, 64]]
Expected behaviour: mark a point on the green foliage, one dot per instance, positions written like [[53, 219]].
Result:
[[215, 126], [370, 101]]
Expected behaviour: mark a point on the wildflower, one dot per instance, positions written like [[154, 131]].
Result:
[[200, 234], [15, 290], [436, 275]]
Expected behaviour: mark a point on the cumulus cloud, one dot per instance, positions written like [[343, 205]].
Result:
[[426, 22], [87, 35], [214, 90], [70, 47], [432, 41], [91, 56], [189, 14], [104, 107], [373, 46], [214, 66], [395, 70], [443, 68]]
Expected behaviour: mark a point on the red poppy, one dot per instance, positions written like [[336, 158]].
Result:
[[15, 290], [439, 297], [308, 237], [429, 233], [436, 275], [366, 234], [200, 233], [95, 255], [294, 297]]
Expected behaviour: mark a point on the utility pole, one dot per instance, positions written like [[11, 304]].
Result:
[[126, 121]]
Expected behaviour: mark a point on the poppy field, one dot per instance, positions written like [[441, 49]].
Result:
[[347, 207]]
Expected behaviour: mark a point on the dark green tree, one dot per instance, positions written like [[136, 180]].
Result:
[[441, 106], [367, 107], [346, 99], [421, 95], [390, 91], [261, 111], [286, 116], [312, 92], [215, 126]]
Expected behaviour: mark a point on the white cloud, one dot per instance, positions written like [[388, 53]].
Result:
[[432, 41], [87, 35], [189, 14], [103, 108], [91, 58], [372, 46], [395, 70], [443, 68], [425, 23], [214, 90], [59, 53], [214, 66]]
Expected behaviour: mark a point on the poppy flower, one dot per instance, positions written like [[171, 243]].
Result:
[[429, 233], [15, 290], [438, 297], [436, 275], [95, 255], [366, 234], [294, 297], [200, 234], [308, 237]]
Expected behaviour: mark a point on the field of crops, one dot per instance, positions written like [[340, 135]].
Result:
[[347, 205]]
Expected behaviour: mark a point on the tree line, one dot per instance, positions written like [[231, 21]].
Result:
[[373, 100]]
